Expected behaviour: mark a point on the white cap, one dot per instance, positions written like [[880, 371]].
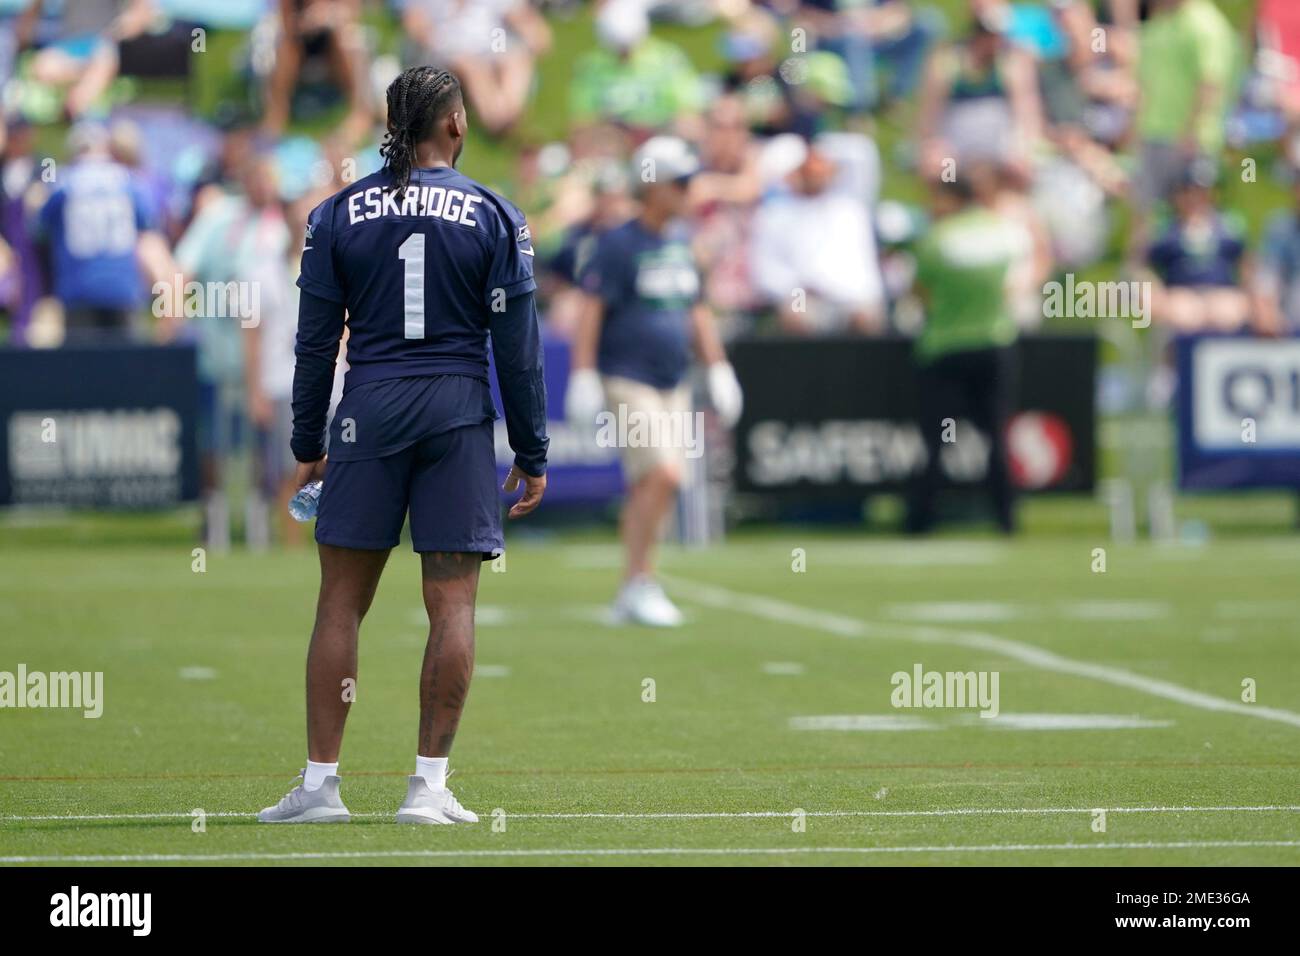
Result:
[[664, 159], [87, 136], [781, 155], [622, 24]]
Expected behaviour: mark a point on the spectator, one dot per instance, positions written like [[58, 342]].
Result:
[[1005, 194], [979, 101], [83, 58], [100, 233], [1276, 277], [268, 366], [724, 197], [1198, 259], [814, 251], [20, 187], [871, 33], [490, 44], [611, 206], [312, 30], [753, 74], [632, 78], [965, 355], [1187, 59], [1103, 74], [1278, 54], [228, 246]]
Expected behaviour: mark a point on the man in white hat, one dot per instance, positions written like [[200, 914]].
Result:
[[631, 354]]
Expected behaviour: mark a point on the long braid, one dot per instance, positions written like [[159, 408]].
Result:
[[416, 100]]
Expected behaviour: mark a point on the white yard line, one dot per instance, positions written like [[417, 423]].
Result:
[[842, 625], [642, 851], [702, 815]]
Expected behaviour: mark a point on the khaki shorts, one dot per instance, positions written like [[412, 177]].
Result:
[[639, 458]]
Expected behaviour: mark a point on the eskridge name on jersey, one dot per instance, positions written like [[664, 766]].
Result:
[[436, 202]]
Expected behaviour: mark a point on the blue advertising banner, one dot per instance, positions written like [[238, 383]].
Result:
[[1238, 412], [108, 427], [579, 470]]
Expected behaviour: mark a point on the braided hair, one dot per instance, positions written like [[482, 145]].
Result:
[[417, 99]]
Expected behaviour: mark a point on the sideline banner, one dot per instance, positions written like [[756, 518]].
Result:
[[831, 418], [106, 427], [1238, 412]]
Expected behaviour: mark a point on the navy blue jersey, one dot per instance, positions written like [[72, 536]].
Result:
[[93, 221], [424, 274], [419, 271], [648, 285]]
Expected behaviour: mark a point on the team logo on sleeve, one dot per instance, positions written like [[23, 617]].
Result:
[[307, 243], [525, 236]]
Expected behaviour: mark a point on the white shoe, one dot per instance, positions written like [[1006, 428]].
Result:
[[301, 805], [642, 601], [423, 804]]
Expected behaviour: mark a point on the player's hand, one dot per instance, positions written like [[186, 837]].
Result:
[[725, 394], [309, 471], [584, 398], [534, 488]]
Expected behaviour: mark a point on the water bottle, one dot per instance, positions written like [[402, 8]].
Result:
[[303, 505]]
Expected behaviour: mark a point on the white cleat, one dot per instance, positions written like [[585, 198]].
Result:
[[642, 601], [423, 804], [322, 805]]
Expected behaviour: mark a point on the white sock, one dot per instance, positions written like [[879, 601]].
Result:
[[315, 774], [433, 770]]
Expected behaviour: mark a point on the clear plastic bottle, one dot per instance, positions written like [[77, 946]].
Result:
[[303, 505]]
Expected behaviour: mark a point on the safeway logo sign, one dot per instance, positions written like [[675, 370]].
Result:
[[1040, 449]]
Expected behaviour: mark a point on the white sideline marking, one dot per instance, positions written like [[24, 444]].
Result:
[[645, 851], [491, 670], [950, 612], [913, 554], [872, 722], [1003, 721], [1115, 610], [198, 673], [1256, 609], [489, 615], [774, 610], [783, 668], [970, 612], [711, 815]]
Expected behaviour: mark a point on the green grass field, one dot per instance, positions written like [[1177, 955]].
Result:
[[203, 707]]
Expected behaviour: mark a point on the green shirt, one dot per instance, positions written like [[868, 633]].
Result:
[[1179, 52], [651, 87], [962, 265]]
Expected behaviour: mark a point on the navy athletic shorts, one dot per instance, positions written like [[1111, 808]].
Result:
[[447, 481]]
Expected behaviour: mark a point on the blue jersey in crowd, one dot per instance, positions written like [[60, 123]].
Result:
[[1207, 256], [648, 284], [93, 222], [424, 273]]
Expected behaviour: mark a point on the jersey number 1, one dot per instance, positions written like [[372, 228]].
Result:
[[411, 252]]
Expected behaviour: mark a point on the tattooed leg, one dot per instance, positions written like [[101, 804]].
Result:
[[450, 587], [348, 579]]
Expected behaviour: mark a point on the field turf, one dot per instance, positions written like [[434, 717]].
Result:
[[568, 763]]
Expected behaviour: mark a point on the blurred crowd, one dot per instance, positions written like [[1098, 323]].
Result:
[[1103, 130]]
